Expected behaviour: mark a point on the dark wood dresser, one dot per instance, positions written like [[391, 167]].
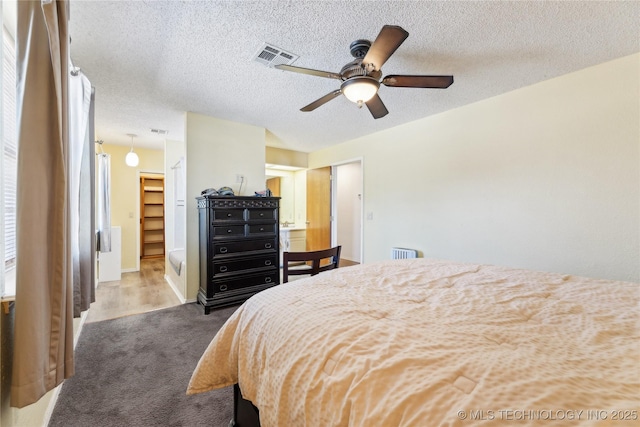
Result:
[[239, 248]]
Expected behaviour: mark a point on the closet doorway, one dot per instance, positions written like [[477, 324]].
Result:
[[152, 222]]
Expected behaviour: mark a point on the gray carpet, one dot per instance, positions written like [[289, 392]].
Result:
[[134, 371]]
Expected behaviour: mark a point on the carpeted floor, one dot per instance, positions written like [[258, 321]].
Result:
[[134, 371]]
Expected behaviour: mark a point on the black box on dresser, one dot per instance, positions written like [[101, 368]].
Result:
[[239, 248]]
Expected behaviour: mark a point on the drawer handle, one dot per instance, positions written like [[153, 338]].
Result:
[[223, 250], [223, 268], [267, 262], [267, 279], [261, 213], [261, 228], [223, 287], [267, 245], [229, 215], [229, 231]]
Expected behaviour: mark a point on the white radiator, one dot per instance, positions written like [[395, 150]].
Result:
[[402, 253]]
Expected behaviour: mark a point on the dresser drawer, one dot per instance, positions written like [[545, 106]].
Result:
[[254, 214], [230, 248], [240, 283], [228, 215], [242, 264], [220, 231], [269, 228]]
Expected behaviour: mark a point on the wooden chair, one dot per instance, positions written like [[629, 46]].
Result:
[[296, 263]]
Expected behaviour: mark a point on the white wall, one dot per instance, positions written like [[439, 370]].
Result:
[[545, 177], [175, 224], [216, 151]]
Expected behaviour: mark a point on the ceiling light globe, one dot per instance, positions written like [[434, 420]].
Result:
[[131, 159], [360, 89]]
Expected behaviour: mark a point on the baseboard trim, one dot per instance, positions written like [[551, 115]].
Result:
[[174, 288]]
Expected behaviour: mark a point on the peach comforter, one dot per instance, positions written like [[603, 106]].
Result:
[[433, 343]]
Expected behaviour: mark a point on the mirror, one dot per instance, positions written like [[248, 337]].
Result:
[[283, 186]]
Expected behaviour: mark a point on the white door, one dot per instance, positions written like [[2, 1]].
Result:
[[347, 212]]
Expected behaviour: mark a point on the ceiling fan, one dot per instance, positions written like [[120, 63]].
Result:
[[361, 77]]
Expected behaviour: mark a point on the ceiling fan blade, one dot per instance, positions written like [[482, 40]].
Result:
[[434, 82], [389, 39], [376, 107], [319, 73], [328, 97]]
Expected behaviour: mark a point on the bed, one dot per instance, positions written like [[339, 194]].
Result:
[[432, 343]]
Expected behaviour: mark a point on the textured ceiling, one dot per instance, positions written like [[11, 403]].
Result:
[[151, 61]]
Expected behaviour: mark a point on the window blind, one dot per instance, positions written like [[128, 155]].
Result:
[[9, 147]]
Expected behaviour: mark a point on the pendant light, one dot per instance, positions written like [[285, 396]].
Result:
[[132, 158]]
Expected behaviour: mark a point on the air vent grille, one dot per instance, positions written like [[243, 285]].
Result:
[[271, 56], [160, 131], [402, 253]]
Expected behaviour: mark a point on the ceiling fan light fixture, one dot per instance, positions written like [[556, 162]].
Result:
[[360, 89]]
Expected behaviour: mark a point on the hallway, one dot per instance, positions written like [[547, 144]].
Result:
[[136, 292]]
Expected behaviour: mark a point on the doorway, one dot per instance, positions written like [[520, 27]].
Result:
[[347, 206], [152, 221], [334, 209]]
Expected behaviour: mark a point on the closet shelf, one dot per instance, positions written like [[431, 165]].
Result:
[[154, 241], [152, 217]]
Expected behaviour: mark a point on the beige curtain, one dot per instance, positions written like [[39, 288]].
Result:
[[43, 347]]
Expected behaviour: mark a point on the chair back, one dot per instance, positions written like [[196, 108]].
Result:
[[312, 262]]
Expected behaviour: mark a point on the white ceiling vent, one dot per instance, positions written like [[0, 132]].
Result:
[[160, 131], [271, 56]]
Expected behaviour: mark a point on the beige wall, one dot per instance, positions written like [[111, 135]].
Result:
[[125, 195], [545, 177], [278, 156], [216, 151]]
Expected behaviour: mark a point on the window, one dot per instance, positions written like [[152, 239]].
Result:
[[9, 157]]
